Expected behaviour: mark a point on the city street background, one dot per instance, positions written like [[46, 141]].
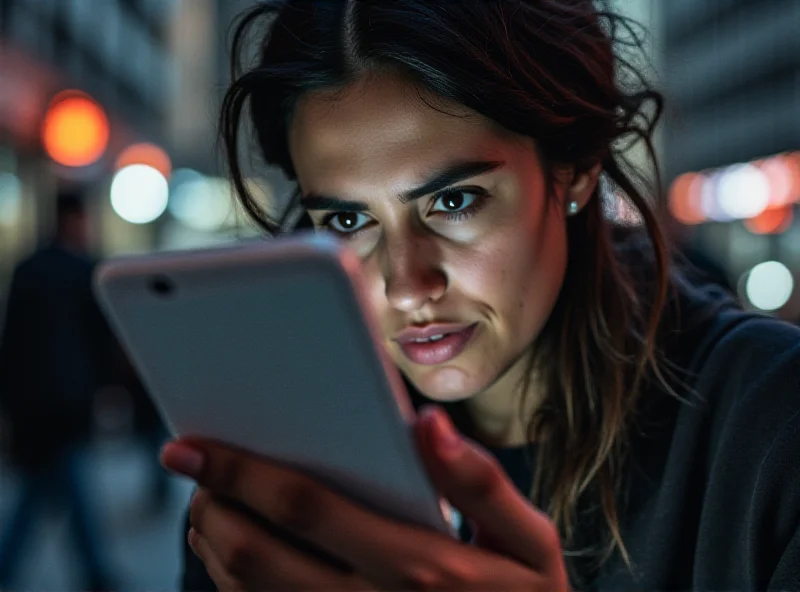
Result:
[[143, 544], [142, 80]]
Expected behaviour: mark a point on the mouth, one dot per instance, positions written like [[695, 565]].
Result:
[[435, 344]]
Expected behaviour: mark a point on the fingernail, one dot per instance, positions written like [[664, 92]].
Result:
[[192, 538], [448, 441], [183, 459]]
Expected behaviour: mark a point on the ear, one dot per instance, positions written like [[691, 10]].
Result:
[[580, 190]]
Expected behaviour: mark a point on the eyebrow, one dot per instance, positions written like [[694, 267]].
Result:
[[440, 180]]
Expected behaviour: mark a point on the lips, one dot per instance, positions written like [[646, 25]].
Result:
[[436, 343]]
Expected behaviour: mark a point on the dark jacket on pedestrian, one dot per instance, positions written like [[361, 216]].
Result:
[[54, 354]]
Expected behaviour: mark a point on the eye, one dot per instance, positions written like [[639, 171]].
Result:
[[459, 204], [346, 222], [455, 200]]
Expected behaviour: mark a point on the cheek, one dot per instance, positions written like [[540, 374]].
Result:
[[512, 275], [375, 292], [517, 274]]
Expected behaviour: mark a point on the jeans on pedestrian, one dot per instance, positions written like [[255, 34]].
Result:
[[62, 483]]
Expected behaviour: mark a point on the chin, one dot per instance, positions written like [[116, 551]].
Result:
[[446, 385]]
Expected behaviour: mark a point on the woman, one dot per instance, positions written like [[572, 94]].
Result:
[[617, 426]]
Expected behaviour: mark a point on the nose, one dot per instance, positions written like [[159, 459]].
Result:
[[413, 273]]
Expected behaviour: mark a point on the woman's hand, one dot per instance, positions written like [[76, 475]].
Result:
[[518, 547]]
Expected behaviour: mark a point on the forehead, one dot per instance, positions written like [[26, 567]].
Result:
[[383, 129]]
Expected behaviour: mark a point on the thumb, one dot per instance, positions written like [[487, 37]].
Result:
[[474, 483]]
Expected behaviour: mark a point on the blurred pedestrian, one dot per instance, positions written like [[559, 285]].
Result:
[[151, 432], [54, 355]]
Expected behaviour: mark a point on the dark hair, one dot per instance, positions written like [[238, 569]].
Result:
[[552, 70]]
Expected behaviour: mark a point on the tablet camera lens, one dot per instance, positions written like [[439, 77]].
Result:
[[162, 286]]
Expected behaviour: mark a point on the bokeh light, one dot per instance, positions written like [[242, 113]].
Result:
[[684, 199], [793, 163], [771, 221], [743, 191], [146, 153], [75, 131], [10, 199], [139, 193], [769, 285], [778, 172], [708, 191], [199, 202]]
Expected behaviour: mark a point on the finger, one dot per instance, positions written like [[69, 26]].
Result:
[[384, 551], [216, 571], [476, 485], [258, 559]]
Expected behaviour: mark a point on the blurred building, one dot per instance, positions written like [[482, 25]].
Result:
[[201, 209], [155, 70], [115, 50], [731, 147], [158, 69], [732, 69], [116, 53]]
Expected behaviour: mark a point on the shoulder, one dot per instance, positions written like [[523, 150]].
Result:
[[722, 349], [23, 276], [742, 375], [741, 367], [52, 257], [35, 262], [752, 351], [753, 367], [751, 382], [749, 387]]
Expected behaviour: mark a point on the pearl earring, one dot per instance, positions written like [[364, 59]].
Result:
[[573, 208]]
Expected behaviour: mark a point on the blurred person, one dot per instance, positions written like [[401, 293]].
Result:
[[152, 433], [54, 356], [600, 420]]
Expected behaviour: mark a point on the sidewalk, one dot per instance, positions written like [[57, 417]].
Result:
[[145, 548]]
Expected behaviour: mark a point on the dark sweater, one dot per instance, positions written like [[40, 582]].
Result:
[[714, 494]]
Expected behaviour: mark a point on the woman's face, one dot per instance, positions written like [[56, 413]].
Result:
[[463, 252]]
